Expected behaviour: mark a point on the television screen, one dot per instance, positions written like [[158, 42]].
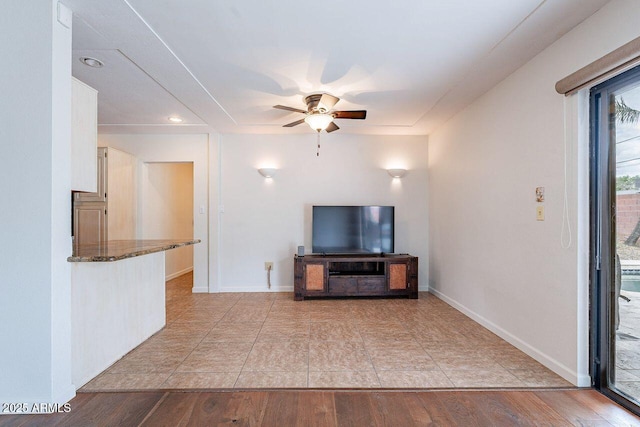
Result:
[[353, 229]]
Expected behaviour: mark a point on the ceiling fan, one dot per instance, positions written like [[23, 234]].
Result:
[[319, 115]]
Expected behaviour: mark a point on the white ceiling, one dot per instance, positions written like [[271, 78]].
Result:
[[222, 64]]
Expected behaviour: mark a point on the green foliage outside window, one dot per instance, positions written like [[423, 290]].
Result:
[[627, 182]]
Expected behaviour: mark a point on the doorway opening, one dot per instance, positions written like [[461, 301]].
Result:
[[166, 211]]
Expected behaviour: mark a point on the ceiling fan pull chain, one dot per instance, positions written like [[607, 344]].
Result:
[[318, 152]]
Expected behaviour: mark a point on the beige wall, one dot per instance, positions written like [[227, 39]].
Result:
[[167, 210]]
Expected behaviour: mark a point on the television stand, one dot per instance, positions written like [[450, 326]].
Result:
[[355, 275]]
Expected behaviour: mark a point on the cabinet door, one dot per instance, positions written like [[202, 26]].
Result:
[[101, 175], [84, 136], [90, 224], [314, 277], [398, 277]]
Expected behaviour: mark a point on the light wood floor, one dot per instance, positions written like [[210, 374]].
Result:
[[336, 408], [267, 340]]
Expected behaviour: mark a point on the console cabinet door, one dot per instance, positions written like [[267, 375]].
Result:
[[398, 277], [314, 277]]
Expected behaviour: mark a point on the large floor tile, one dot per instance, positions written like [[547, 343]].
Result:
[[283, 330], [400, 356], [278, 356], [540, 377], [216, 357], [338, 356], [148, 362], [483, 378], [343, 379], [414, 379], [200, 380], [126, 381], [280, 379], [234, 332], [241, 313], [334, 331]]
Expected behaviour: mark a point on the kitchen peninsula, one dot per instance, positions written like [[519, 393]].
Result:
[[117, 300]]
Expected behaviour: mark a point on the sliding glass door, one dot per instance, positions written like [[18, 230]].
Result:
[[615, 234]]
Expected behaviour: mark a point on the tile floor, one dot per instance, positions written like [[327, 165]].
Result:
[[267, 340], [627, 371]]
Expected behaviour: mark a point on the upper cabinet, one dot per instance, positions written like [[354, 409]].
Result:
[[84, 136]]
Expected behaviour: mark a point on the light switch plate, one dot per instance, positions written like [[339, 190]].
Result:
[[540, 213]]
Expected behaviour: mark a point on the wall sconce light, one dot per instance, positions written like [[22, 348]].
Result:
[[397, 173], [268, 172]]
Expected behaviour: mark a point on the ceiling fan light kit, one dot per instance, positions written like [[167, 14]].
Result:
[[319, 107], [318, 121], [320, 116]]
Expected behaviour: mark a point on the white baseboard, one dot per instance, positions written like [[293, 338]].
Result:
[[580, 380], [178, 273], [200, 290]]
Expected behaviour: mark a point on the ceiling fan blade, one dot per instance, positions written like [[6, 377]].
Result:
[[292, 124], [356, 114], [284, 107], [327, 101], [332, 126]]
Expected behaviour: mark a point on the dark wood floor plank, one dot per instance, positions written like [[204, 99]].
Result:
[[344, 408], [498, 408], [535, 410], [565, 404], [392, 409], [175, 410], [112, 409], [211, 409], [33, 420], [246, 408], [95, 409], [604, 407], [438, 415], [354, 409], [316, 409], [281, 409], [463, 411]]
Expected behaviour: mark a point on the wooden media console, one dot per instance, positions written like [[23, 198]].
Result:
[[355, 275]]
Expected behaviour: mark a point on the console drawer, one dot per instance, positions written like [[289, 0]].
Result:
[[343, 285], [372, 285], [354, 285]]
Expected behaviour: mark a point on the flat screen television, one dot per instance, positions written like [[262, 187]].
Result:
[[353, 229]]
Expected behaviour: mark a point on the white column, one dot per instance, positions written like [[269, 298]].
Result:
[[35, 130]]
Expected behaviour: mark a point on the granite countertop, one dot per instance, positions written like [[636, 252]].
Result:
[[115, 250]]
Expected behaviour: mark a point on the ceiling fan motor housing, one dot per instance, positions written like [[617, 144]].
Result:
[[320, 102]]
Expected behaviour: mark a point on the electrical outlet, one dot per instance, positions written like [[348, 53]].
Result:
[[268, 264]]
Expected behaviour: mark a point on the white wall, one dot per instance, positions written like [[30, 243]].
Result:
[[489, 255], [266, 219], [167, 211], [116, 306], [178, 148], [35, 231]]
